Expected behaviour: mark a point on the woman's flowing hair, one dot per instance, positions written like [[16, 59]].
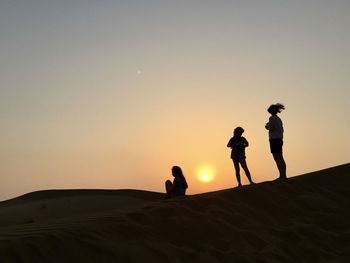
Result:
[[177, 170], [276, 108]]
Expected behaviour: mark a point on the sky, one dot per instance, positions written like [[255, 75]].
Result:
[[111, 94]]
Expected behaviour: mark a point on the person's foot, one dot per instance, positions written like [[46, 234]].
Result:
[[281, 179], [239, 185], [251, 182]]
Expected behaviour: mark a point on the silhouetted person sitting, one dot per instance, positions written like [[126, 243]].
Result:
[[275, 127], [238, 144], [178, 186]]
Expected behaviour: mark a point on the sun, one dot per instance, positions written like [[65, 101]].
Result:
[[205, 177], [205, 174]]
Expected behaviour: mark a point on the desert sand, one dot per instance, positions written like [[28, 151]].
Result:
[[306, 219]]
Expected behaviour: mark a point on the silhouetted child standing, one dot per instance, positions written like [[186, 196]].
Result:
[[238, 144]]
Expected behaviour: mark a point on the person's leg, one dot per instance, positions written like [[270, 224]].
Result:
[[168, 189], [281, 165], [246, 170], [276, 146], [238, 176]]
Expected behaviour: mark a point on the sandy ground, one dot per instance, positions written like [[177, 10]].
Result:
[[306, 219]]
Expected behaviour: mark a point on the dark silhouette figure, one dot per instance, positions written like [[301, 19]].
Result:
[[178, 186], [275, 127], [238, 144]]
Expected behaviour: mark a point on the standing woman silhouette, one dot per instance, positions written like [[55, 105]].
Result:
[[275, 127]]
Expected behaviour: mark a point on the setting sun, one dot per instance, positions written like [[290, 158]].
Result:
[[205, 174]]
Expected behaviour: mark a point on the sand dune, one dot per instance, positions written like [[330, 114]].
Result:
[[306, 219]]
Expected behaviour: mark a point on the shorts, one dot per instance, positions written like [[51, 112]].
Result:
[[239, 160], [276, 145]]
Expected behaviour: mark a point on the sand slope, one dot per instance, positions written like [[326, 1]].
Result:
[[306, 219]]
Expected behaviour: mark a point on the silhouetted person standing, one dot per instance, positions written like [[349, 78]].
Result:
[[178, 186], [238, 144], [275, 127]]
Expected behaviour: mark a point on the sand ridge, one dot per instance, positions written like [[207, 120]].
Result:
[[303, 220]]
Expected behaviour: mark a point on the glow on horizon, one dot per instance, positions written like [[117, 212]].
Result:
[[112, 94], [206, 174]]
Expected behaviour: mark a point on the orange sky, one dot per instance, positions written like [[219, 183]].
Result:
[[112, 95]]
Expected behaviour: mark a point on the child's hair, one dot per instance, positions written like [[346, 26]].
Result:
[[276, 108], [238, 131]]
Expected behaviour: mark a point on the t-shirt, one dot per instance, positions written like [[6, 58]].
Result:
[[238, 145], [275, 126]]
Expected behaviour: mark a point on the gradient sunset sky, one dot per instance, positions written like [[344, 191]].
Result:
[[112, 94]]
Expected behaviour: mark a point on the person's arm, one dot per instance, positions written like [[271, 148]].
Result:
[[176, 182], [229, 144], [271, 124], [246, 143]]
